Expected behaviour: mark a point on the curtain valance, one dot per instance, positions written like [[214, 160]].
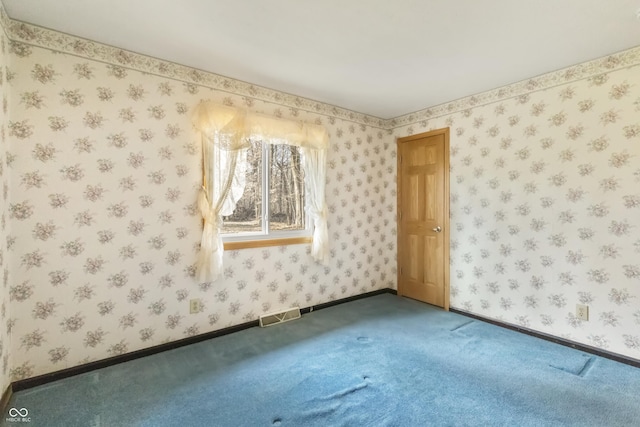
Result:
[[235, 127]]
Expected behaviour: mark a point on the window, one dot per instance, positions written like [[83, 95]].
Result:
[[275, 199], [272, 205]]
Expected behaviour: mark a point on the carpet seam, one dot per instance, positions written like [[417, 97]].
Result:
[[551, 338], [457, 328], [587, 367]]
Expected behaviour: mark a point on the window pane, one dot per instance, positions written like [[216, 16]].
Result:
[[286, 189], [248, 214]]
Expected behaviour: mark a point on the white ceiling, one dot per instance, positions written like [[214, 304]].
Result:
[[385, 58]]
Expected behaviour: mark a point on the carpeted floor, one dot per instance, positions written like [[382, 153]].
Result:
[[379, 361]]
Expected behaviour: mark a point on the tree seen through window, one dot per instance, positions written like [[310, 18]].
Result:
[[275, 186]]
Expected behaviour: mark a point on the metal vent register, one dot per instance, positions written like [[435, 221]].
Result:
[[279, 317]]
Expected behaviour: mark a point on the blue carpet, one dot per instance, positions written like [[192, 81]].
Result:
[[379, 361]]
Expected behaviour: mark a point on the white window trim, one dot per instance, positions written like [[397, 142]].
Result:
[[266, 234]]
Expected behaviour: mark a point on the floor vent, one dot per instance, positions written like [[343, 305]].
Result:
[[279, 317]]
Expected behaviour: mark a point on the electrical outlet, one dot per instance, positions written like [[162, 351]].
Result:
[[582, 312], [194, 306]]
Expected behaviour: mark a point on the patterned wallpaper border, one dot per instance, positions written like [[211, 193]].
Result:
[[22, 32], [4, 20], [617, 61]]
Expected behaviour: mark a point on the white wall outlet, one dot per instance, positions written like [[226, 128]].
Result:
[[195, 306], [582, 311]]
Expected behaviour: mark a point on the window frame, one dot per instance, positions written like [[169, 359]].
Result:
[[267, 237]]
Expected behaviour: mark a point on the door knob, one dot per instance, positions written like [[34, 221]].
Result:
[[437, 229]]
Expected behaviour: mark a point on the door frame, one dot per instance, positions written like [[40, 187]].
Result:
[[447, 196]]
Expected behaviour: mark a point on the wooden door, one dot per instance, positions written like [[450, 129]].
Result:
[[423, 217]]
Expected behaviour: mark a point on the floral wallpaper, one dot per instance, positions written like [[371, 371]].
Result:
[[106, 168], [545, 206], [60, 42], [102, 168], [5, 323]]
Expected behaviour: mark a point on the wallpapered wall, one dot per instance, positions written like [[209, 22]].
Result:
[[102, 227], [545, 206], [5, 335], [106, 168]]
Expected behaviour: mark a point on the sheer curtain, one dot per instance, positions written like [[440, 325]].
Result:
[[226, 134], [224, 167], [315, 167]]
